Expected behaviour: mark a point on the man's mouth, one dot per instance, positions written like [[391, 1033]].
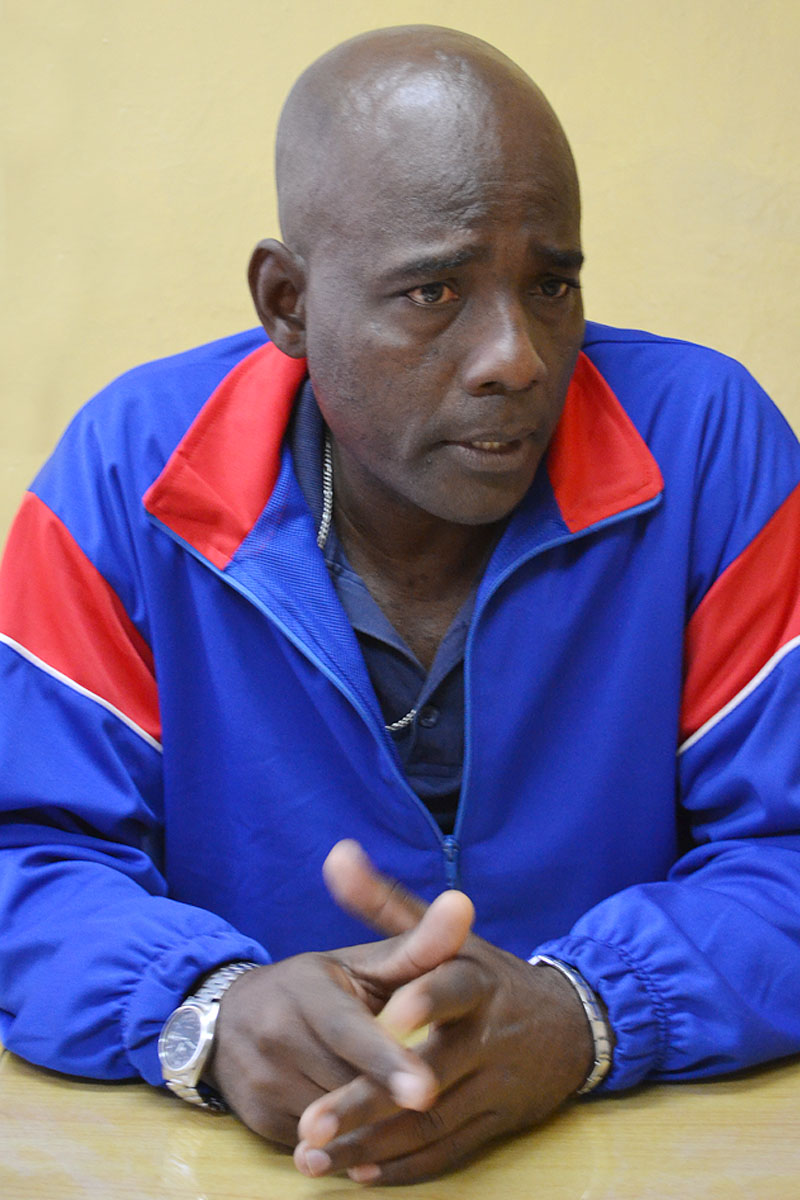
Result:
[[495, 454], [493, 446]]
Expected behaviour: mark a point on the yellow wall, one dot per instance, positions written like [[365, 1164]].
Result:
[[137, 139]]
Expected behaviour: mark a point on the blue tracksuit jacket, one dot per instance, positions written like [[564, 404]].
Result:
[[187, 725]]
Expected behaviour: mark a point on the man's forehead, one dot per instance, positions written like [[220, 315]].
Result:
[[433, 175], [394, 118]]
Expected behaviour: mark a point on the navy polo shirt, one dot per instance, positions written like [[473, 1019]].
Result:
[[431, 748]]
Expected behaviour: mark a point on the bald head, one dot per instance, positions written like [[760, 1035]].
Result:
[[397, 103]]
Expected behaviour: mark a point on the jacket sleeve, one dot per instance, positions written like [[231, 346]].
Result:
[[701, 971], [94, 953]]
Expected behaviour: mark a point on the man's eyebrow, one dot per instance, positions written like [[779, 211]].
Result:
[[439, 264], [435, 264], [567, 260]]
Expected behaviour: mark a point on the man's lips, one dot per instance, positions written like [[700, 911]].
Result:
[[492, 442], [492, 446], [495, 453]]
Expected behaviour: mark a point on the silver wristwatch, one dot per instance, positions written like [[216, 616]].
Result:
[[187, 1038]]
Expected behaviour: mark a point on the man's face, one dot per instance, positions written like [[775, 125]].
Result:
[[443, 316]]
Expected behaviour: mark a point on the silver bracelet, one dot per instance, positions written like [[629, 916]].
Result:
[[600, 1029]]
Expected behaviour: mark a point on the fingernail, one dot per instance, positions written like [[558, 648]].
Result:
[[311, 1161], [323, 1129], [369, 1173], [409, 1090]]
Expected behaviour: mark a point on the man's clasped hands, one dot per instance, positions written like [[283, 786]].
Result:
[[310, 1052]]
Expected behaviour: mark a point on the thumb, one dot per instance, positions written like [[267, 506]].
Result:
[[378, 901], [431, 934], [438, 936]]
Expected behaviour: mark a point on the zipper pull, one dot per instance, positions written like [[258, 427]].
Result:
[[450, 848]]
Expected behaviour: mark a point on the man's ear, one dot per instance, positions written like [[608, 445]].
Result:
[[277, 282]]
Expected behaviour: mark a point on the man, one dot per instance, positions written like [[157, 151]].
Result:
[[512, 602]]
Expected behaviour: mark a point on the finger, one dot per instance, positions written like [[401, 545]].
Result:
[[441, 1155], [439, 936], [275, 1126], [357, 887], [349, 1107], [361, 1103], [343, 1025], [270, 1096], [405, 1134], [268, 1112], [443, 994]]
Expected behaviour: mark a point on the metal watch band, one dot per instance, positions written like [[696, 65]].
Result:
[[208, 1098], [211, 991], [215, 985], [601, 1032]]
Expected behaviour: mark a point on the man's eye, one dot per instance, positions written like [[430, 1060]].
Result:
[[556, 289], [432, 294]]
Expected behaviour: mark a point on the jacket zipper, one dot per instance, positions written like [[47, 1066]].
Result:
[[450, 849]]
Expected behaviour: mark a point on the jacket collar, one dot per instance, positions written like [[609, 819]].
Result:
[[599, 464], [222, 473]]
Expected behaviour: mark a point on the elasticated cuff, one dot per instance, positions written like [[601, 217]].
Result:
[[636, 1013], [163, 986]]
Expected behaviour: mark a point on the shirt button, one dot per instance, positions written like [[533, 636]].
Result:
[[428, 716]]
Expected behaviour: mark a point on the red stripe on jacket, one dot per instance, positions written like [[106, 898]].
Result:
[[57, 606], [744, 619]]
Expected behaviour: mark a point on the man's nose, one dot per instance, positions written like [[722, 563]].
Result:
[[502, 354]]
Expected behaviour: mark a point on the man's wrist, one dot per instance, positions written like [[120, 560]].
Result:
[[599, 1026], [186, 1044]]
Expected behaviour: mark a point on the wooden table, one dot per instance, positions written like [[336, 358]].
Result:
[[64, 1138]]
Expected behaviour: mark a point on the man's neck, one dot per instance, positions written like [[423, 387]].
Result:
[[418, 568]]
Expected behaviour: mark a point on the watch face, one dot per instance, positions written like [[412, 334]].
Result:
[[180, 1039]]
